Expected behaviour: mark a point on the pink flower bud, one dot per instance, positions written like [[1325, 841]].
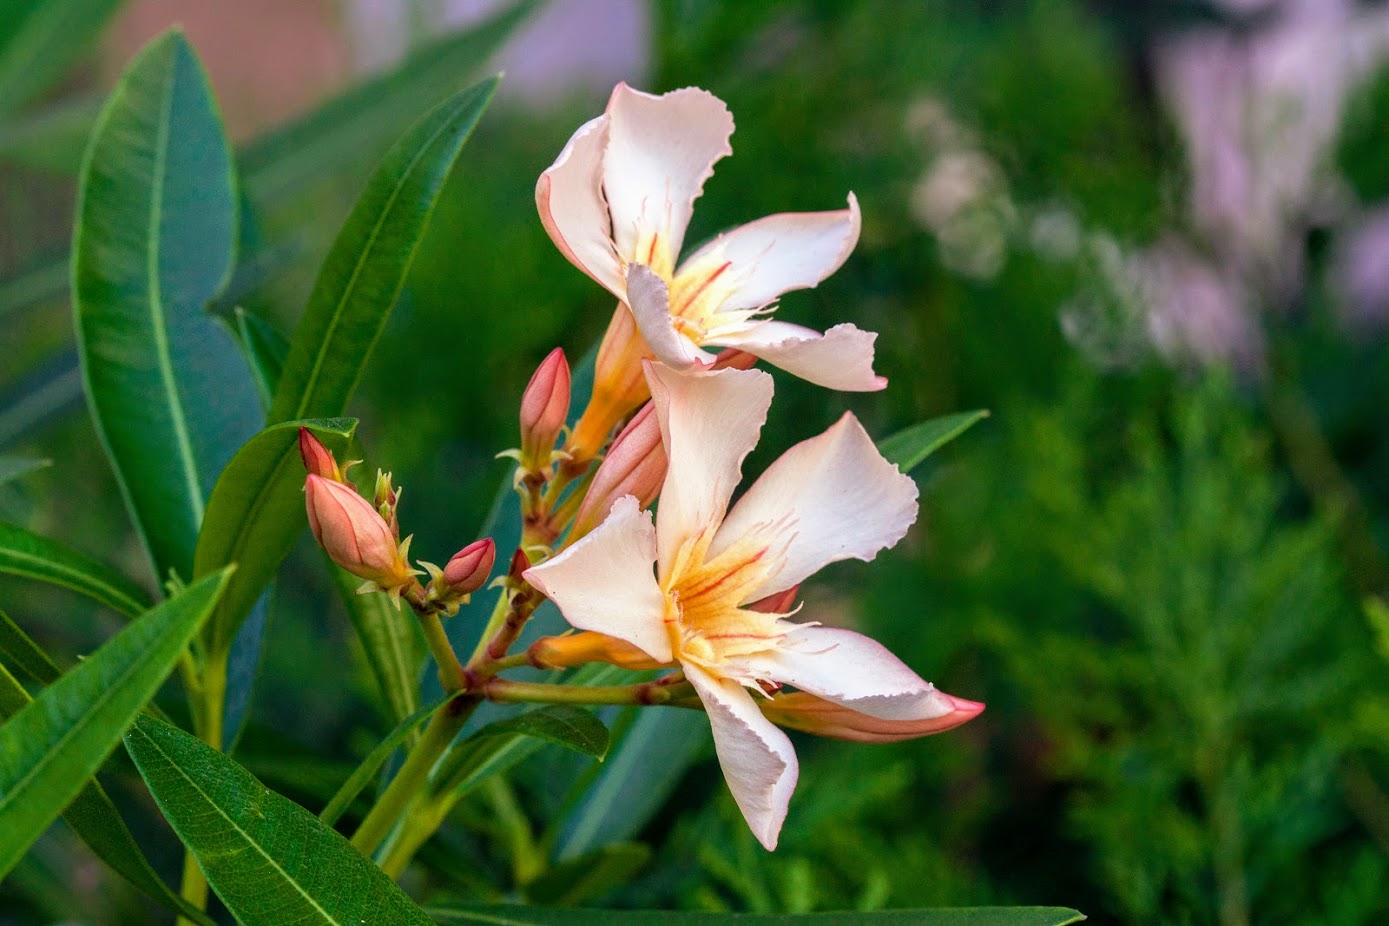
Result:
[[470, 567], [354, 534], [809, 714], [318, 459], [635, 465], [544, 408]]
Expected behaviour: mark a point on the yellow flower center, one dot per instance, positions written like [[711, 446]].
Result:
[[705, 597]]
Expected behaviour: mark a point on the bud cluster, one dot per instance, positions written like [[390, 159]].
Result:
[[363, 536]]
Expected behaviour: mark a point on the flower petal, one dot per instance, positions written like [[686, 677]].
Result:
[[569, 195], [604, 582], [782, 252], [661, 149], [852, 670], [757, 759], [799, 710], [709, 422], [843, 501], [841, 358], [649, 298]]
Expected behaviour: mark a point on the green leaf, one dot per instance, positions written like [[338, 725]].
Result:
[[502, 743], [12, 468], [590, 876], [961, 916], [27, 554], [49, 749], [154, 242], [392, 643], [910, 446], [368, 263], [254, 516], [635, 782], [265, 351], [39, 39], [92, 815], [374, 760], [269, 860], [25, 653], [362, 121]]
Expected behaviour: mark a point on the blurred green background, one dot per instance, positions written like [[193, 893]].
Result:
[[1151, 237]]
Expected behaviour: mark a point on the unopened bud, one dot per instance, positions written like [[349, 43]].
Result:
[[464, 574], [354, 534], [318, 459], [470, 567], [809, 714], [387, 497], [544, 409], [575, 649], [635, 465]]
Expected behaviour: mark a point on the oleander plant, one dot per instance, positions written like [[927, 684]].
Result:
[[663, 593], [611, 490]]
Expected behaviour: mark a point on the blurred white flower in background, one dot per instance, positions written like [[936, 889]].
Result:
[[962, 197], [1260, 110], [570, 48], [1362, 272]]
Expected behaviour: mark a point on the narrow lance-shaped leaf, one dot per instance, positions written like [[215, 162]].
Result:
[[633, 784], [960, 916], [502, 743], [391, 641], [154, 242], [23, 652], [49, 749], [363, 120], [254, 516], [265, 351], [364, 772], [92, 815], [909, 447], [369, 261], [12, 468], [27, 554], [590, 876], [269, 860]]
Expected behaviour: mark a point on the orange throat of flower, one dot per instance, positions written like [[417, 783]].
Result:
[[705, 613]]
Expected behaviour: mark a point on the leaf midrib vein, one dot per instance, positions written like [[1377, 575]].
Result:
[[362, 260], [156, 302], [328, 917]]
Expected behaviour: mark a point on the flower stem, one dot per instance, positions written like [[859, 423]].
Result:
[[207, 694], [660, 691], [451, 674], [413, 775]]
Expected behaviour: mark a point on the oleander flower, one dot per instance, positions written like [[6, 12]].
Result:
[[617, 203], [829, 498]]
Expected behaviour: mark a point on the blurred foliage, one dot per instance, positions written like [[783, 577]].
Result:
[[1132, 564]]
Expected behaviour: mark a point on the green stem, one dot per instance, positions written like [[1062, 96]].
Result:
[[422, 819], [194, 888], [661, 691], [494, 623], [413, 775], [451, 674], [207, 695]]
